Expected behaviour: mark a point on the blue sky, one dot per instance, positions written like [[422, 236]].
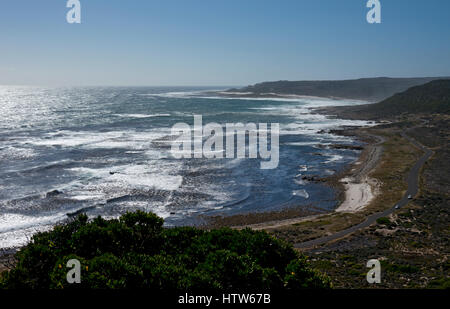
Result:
[[219, 42]]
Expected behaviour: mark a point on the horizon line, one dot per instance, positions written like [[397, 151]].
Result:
[[215, 85]]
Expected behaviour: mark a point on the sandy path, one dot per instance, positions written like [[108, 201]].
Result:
[[276, 224]]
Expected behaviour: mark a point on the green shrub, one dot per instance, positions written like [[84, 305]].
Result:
[[135, 251], [399, 268], [383, 221], [441, 283]]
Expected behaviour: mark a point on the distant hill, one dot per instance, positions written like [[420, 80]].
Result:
[[369, 89], [433, 97]]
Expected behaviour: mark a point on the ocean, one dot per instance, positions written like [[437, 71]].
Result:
[[104, 151]]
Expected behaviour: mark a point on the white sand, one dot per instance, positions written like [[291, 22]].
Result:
[[357, 194]]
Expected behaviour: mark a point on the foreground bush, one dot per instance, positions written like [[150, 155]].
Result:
[[135, 251]]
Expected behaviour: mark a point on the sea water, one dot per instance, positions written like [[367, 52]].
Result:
[[106, 150]]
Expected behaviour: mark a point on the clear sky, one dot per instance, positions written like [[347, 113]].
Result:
[[219, 42]]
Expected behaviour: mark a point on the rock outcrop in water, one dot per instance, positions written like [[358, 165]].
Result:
[[53, 193]]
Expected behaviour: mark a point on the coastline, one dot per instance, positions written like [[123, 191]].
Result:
[[355, 189], [273, 95], [360, 188], [353, 192]]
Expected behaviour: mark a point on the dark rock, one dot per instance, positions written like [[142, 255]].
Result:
[[350, 147], [53, 193], [313, 178]]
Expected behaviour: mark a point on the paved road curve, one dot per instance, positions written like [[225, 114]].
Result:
[[413, 188]]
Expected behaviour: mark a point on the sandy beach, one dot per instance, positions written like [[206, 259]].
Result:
[[360, 188], [357, 194]]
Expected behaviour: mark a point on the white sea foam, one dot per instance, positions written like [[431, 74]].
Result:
[[233, 163], [11, 221], [303, 168], [133, 176], [87, 197], [156, 181], [112, 139], [175, 94], [302, 193], [142, 115], [299, 182], [16, 229], [156, 207], [302, 143], [73, 139], [334, 158], [14, 152], [309, 123], [18, 238]]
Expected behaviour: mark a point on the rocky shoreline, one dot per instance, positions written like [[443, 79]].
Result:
[[355, 172]]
